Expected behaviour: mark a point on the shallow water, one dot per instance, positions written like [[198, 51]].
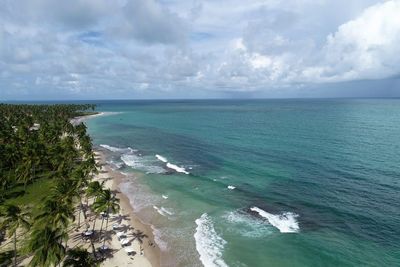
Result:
[[263, 182]]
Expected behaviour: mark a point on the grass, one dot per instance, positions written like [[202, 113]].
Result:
[[31, 195]]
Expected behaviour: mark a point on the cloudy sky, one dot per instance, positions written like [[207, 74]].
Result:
[[92, 49]]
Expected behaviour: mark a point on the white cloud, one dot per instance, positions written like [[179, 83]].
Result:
[[100, 48], [363, 48]]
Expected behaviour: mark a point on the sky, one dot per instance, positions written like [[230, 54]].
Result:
[[135, 49]]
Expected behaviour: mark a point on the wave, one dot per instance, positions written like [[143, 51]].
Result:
[[163, 211], [164, 196], [117, 149], [161, 158], [177, 168], [141, 163], [209, 245], [158, 239], [231, 187], [246, 224], [285, 222], [115, 165]]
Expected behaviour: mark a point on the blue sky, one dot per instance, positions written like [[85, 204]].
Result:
[[102, 49]]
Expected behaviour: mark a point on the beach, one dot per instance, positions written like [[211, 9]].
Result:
[[146, 252], [151, 254]]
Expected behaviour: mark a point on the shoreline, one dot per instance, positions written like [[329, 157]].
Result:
[[79, 119], [113, 181], [152, 253]]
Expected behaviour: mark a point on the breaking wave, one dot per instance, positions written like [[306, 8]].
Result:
[[246, 224], [161, 158], [177, 168], [141, 163], [285, 222], [208, 243], [117, 149]]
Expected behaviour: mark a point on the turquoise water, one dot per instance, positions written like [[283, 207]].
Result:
[[312, 182]]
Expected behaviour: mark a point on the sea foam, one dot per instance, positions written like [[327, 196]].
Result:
[[141, 163], [285, 222], [246, 224], [177, 168], [231, 187], [163, 211], [117, 149], [208, 243], [161, 158]]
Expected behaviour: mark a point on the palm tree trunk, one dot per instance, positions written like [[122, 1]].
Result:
[[15, 249], [93, 249], [94, 222], [79, 217], [101, 226], [104, 241], [81, 204]]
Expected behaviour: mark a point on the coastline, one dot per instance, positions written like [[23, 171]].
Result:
[[79, 119], [112, 179]]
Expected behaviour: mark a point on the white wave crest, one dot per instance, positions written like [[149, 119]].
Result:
[[117, 149], [161, 158], [177, 168], [246, 225], [285, 222], [208, 243], [141, 163], [163, 211], [164, 196], [115, 165], [231, 187]]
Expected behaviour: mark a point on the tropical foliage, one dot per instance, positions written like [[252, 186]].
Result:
[[41, 143], [79, 257]]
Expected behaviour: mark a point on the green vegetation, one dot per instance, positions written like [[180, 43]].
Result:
[[46, 167], [32, 194]]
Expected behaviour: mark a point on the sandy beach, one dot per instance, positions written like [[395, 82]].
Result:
[[146, 252], [150, 252]]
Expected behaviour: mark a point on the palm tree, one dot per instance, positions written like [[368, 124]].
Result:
[[56, 213], [112, 206], [94, 189], [14, 218], [79, 182], [79, 257], [45, 244], [106, 202]]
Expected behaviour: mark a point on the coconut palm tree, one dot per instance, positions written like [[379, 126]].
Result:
[[14, 218], [56, 213], [45, 244], [94, 189], [79, 182], [79, 257], [106, 202]]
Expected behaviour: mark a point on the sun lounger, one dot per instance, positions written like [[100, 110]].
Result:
[[121, 235], [124, 241], [116, 226]]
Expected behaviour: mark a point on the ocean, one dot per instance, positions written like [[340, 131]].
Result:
[[261, 182]]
